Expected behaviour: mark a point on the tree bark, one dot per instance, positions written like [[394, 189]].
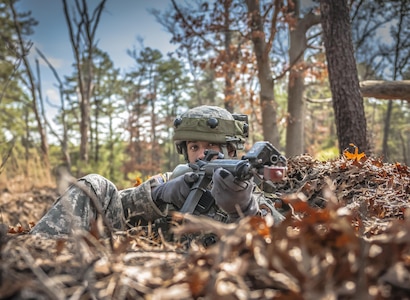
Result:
[[380, 89], [343, 78], [267, 99], [296, 105], [229, 74], [389, 90]]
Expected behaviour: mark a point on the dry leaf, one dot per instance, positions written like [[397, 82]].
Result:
[[354, 156]]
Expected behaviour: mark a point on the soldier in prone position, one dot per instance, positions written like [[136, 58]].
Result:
[[199, 129]]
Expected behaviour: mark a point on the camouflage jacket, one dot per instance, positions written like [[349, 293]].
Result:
[[143, 202], [94, 194]]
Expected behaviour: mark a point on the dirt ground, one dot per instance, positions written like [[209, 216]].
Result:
[[346, 236]]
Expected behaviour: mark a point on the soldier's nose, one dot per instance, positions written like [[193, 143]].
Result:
[[201, 156]]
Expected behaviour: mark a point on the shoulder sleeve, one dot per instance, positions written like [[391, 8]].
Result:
[[137, 201]]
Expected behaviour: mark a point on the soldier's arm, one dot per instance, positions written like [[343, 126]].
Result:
[[138, 203]]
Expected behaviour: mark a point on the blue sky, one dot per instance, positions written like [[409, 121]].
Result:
[[121, 23]]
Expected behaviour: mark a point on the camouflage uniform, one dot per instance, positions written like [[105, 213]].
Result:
[[135, 206]]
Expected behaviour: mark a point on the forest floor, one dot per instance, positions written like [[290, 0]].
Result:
[[356, 246]]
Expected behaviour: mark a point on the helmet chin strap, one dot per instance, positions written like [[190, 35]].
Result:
[[185, 152], [224, 150]]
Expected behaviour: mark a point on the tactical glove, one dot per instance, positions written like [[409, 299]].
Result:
[[174, 191], [231, 194]]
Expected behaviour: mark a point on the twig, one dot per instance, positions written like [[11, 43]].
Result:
[[52, 287]]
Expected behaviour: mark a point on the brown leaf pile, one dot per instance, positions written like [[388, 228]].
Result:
[[22, 208], [346, 236]]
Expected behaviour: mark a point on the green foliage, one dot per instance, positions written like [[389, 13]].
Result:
[[327, 154]]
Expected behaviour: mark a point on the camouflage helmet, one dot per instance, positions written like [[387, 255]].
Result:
[[211, 124]]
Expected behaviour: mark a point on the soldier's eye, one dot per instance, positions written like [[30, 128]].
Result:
[[194, 148]]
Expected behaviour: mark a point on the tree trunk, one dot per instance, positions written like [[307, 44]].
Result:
[[388, 90], [267, 99], [296, 114], [344, 82], [32, 88], [86, 28], [296, 105], [229, 74], [63, 140]]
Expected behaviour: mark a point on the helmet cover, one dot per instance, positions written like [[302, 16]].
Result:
[[212, 124]]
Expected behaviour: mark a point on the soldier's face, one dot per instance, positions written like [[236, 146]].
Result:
[[196, 149]]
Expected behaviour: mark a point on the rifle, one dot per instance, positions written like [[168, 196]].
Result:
[[263, 160]]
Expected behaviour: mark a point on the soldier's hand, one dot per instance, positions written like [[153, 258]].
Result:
[[174, 191], [231, 194]]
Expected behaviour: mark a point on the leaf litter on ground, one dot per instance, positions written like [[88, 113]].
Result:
[[346, 236]]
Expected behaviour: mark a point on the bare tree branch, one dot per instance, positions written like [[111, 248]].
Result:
[[389, 90]]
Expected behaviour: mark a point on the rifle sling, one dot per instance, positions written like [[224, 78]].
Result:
[[195, 195]]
